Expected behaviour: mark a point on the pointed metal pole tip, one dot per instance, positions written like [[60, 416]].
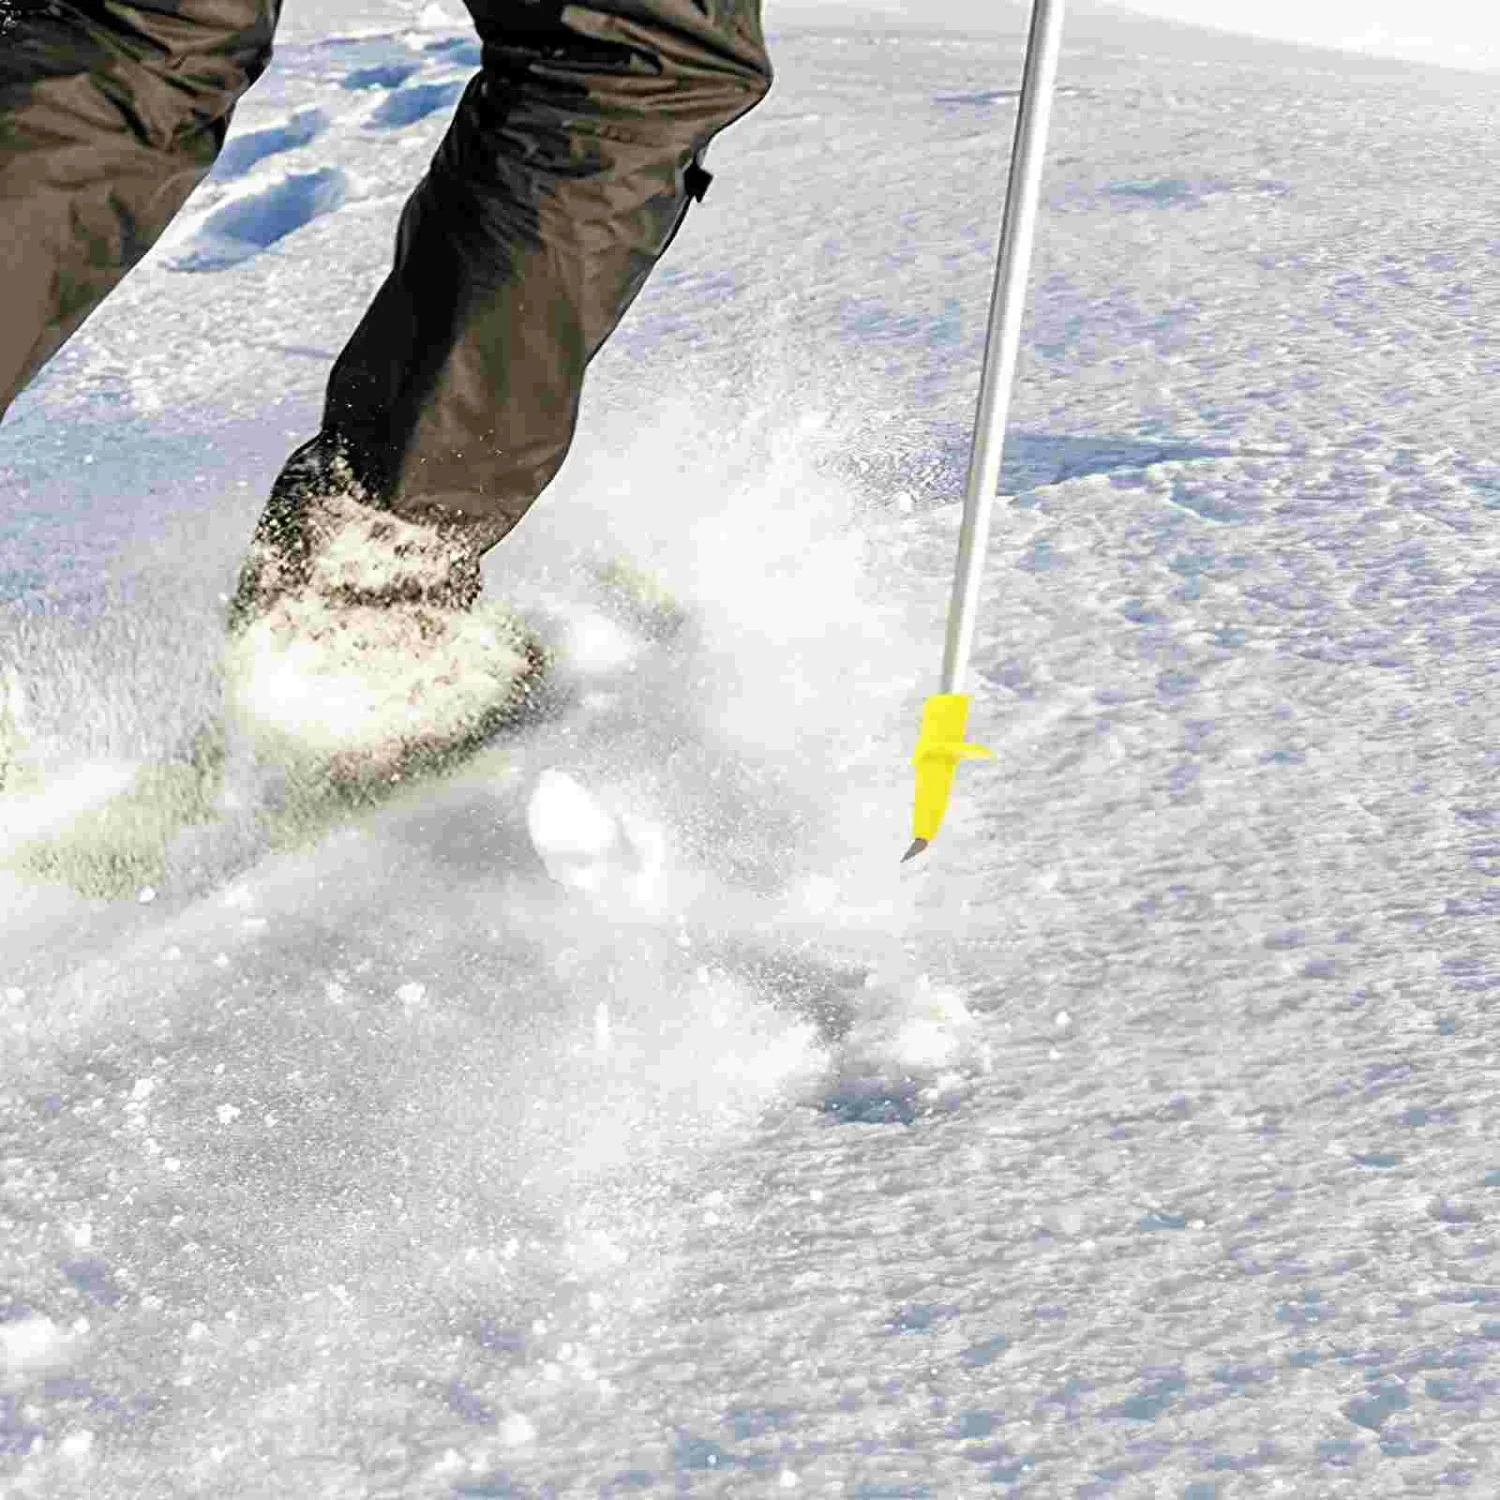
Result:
[[917, 846]]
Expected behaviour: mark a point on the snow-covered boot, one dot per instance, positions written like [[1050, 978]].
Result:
[[322, 533], [357, 639]]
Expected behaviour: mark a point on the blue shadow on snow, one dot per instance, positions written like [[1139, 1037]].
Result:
[[459, 49], [66, 520], [407, 106], [932, 468], [1177, 192], [248, 225], [987, 96], [244, 151], [381, 76]]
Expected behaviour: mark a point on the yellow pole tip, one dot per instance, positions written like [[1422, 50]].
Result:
[[917, 846]]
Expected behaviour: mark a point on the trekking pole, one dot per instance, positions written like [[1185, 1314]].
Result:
[[945, 716]]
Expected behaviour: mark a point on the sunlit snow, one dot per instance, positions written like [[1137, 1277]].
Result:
[[619, 1117]]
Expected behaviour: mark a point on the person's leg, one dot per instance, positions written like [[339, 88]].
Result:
[[568, 166], [110, 115]]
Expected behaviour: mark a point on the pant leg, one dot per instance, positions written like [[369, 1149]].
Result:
[[110, 115], [566, 171]]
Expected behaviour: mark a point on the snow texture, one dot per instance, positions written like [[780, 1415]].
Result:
[[620, 1118]]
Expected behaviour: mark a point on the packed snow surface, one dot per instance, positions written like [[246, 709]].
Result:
[[620, 1117]]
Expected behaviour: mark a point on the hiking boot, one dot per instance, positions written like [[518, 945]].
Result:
[[322, 533], [357, 638]]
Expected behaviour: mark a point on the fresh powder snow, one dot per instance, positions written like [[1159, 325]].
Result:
[[620, 1117]]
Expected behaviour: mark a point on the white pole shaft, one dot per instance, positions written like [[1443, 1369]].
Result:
[[1003, 341]]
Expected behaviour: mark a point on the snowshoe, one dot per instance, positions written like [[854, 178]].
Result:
[[107, 835], [336, 704]]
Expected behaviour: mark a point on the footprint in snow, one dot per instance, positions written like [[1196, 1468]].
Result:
[[247, 225], [458, 49], [381, 76], [408, 106], [244, 151]]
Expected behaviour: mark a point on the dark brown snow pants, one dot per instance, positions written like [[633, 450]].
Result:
[[568, 166]]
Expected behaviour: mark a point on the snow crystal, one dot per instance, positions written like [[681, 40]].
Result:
[[31, 1344], [932, 1032], [617, 856], [591, 644], [77, 1444], [571, 830]]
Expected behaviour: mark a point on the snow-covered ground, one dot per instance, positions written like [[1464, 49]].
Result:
[[1139, 1140]]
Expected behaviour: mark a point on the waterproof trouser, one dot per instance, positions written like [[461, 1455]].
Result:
[[567, 168]]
